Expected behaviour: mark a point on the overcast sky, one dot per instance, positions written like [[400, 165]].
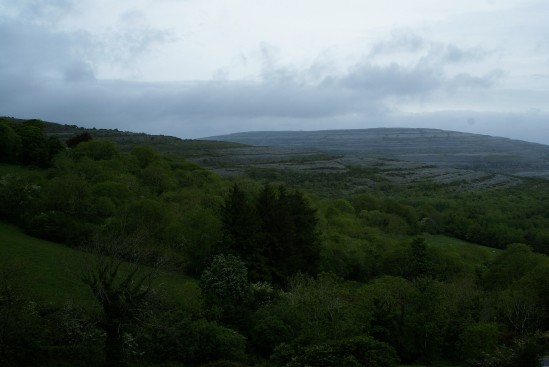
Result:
[[195, 68]]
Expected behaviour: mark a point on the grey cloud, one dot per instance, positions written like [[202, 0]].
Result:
[[28, 50], [48, 75], [454, 54], [41, 11], [319, 71], [271, 70], [210, 108], [400, 41], [392, 79], [406, 41], [127, 41], [194, 106], [542, 45], [26, 31], [79, 71], [470, 81]]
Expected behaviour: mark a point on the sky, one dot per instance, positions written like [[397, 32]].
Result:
[[198, 68]]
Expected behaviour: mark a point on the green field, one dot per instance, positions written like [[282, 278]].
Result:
[[471, 253], [53, 272]]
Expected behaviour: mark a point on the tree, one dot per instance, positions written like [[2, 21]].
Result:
[[198, 232], [241, 226], [523, 352], [225, 280], [420, 264], [521, 311], [321, 308], [288, 233], [478, 339], [34, 145], [276, 236], [19, 194], [226, 290], [306, 240], [144, 155], [391, 301], [120, 289], [509, 266], [352, 352], [97, 150], [77, 139], [10, 143], [55, 145], [177, 337]]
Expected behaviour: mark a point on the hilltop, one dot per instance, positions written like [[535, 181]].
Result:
[[429, 146]]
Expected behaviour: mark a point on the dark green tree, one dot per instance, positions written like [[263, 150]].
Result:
[[241, 237], [10, 143], [420, 264], [77, 139], [55, 145], [306, 240], [34, 146], [288, 230]]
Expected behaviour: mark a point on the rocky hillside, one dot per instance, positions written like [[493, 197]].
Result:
[[428, 146]]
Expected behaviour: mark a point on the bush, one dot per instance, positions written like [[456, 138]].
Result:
[[195, 342], [477, 339], [354, 352], [226, 279], [524, 352]]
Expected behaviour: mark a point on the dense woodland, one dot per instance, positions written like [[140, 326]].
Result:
[[286, 277]]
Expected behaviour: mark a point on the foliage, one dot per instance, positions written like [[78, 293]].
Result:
[[120, 297], [525, 352], [10, 143], [276, 237], [287, 278], [77, 139], [478, 339], [25, 143], [225, 279], [354, 352], [175, 337]]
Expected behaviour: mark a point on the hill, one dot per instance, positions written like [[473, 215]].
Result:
[[58, 269], [342, 162], [428, 146], [127, 139]]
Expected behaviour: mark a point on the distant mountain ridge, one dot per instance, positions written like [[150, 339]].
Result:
[[430, 146]]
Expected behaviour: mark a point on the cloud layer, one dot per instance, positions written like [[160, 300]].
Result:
[[93, 76]]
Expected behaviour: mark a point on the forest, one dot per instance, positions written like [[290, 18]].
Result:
[[174, 265]]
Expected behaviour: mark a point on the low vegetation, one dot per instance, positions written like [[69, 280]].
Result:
[[143, 259]]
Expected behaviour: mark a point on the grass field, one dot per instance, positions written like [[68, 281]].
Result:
[[53, 272], [470, 253]]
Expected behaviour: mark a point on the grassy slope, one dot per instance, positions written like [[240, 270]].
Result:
[[470, 253], [53, 271]]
